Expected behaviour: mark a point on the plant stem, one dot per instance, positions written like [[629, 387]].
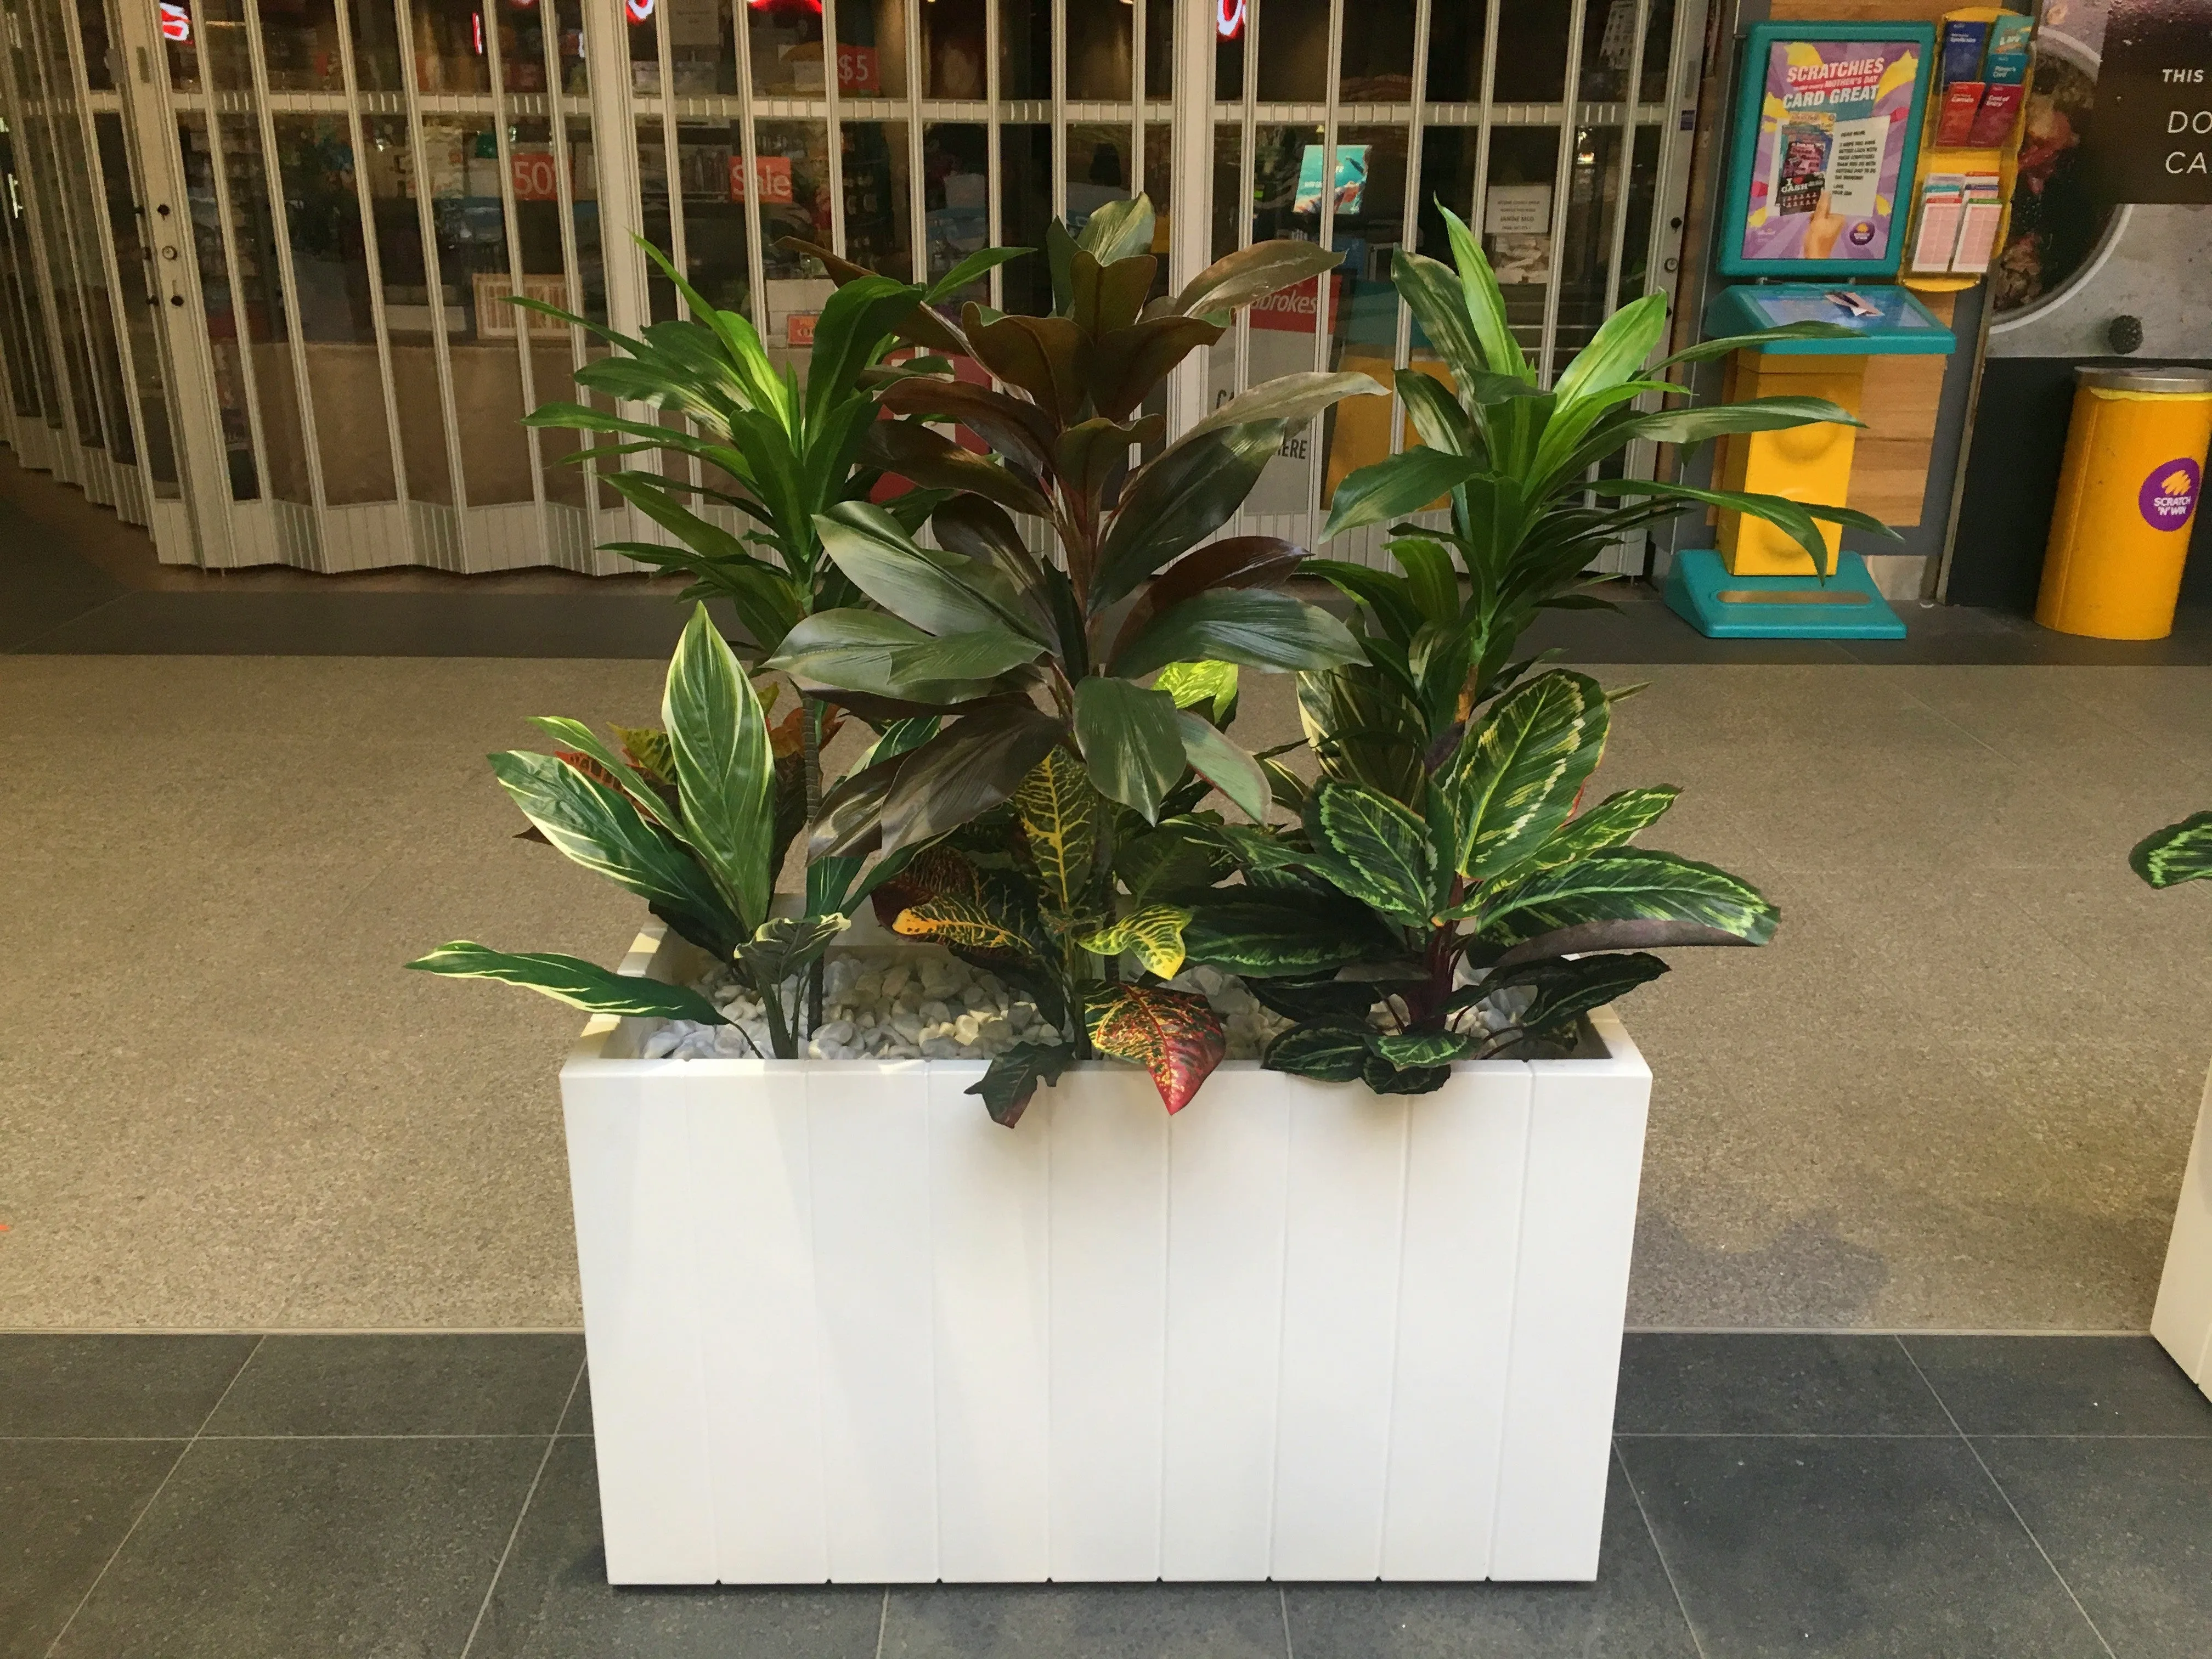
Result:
[[780, 1038], [809, 771]]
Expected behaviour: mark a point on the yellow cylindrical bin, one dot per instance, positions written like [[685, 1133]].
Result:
[[2127, 499]]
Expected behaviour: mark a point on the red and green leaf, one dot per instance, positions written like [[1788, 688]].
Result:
[[1174, 1035]]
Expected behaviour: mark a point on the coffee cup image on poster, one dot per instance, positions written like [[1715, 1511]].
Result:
[[1834, 124]]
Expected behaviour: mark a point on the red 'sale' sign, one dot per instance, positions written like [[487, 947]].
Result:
[[774, 171]]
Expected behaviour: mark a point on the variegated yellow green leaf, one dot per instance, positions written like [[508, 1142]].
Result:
[[1059, 812], [1613, 822], [961, 922], [1153, 934], [1204, 681], [2180, 852], [1517, 773], [1374, 850], [649, 751], [1175, 1036]]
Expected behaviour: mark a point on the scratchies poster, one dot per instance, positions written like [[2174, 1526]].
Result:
[[1834, 127]]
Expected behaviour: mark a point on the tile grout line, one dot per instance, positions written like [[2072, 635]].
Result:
[[1283, 1604], [552, 1440], [1989, 1474], [883, 1622], [1658, 1549], [147, 1508]]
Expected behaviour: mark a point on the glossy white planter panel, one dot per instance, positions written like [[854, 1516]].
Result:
[[843, 1328], [2183, 1318]]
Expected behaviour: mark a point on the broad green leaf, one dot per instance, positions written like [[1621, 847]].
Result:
[[1433, 292], [976, 266], [1615, 352], [1175, 1036], [1626, 884], [1130, 741], [1127, 365], [725, 771], [1328, 998], [938, 591], [579, 984], [1517, 773], [1295, 397], [968, 924], [1117, 230], [1203, 681], [1381, 1078], [1433, 584], [1612, 822], [1257, 626], [1486, 305], [1179, 858], [1060, 814], [2180, 852], [1326, 1050], [1379, 852], [1438, 421], [781, 946], [1710, 351], [1047, 357], [1224, 764], [867, 651], [1396, 485], [1105, 297], [1795, 519], [647, 800], [1010, 1080], [1404, 1048], [1266, 941], [1150, 933], [856, 325], [911, 450], [1176, 500], [1564, 988], [1692, 425], [1236, 280], [967, 769]]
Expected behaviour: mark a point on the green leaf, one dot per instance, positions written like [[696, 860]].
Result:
[[1399, 484], [647, 800], [1126, 364], [1174, 1035], [1224, 764], [1020, 431], [976, 266], [1328, 998], [1060, 814], [1381, 1078], [1236, 280], [1404, 1048], [975, 766], [598, 828], [2180, 852], [1175, 501], [1257, 626], [1564, 988], [1326, 1050], [725, 767], [1692, 425], [1263, 940], [938, 591], [1130, 741], [780, 947], [1151, 932], [1486, 305], [1438, 421], [867, 651], [1296, 396], [967, 923], [1615, 352], [579, 984], [912, 450], [1627, 885], [1117, 230], [1105, 297], [1203, 681], [1010, 1080], [1047, 357], [1517, 773], [857, 325], [1179, 858], [1612, 822], [1382, 854], [1707, 351], [1437, 299]]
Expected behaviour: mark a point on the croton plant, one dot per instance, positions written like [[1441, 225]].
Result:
[[1047, 643]]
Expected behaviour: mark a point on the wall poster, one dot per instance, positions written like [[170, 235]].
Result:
[[1828, 124]]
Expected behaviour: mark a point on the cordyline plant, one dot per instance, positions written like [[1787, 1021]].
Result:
[[684, 816], [774, 451], [1029, 667], [1439, 899]]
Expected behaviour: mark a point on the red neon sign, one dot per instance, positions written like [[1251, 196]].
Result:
[[1229, 18]]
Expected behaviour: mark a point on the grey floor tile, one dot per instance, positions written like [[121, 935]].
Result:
[[2062, 1385], [278, 1549], [578, 1419], [427, 1384], [1850, 1548], [68, 1503], [1727, 1383], [1630, 1613], [114, 1385], [2129, 1523], [553, 1600], [1085, 1621]]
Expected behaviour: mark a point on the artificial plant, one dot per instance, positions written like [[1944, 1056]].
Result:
[[683, 816], [1024, 671], [2180, 852]]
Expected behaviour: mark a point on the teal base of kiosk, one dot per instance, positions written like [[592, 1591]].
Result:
[[1847, 606]]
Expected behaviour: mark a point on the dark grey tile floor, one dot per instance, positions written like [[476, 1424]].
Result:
[[238, 1497]]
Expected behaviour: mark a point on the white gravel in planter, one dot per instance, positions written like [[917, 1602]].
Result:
[[918, 1003]]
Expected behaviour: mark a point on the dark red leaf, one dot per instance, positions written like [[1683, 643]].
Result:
[[1174, 1035]]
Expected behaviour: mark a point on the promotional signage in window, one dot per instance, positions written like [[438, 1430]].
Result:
[[858, 71], [176, 22], [536, 178], [775, 173]]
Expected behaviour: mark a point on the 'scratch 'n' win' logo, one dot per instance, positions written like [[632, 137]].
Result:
[[2168, 496]]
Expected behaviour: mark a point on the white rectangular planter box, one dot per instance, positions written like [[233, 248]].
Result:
[[843, 1328], [2183, 1318]]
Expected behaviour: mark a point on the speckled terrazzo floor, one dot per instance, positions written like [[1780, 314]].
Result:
[[1955, 1094]]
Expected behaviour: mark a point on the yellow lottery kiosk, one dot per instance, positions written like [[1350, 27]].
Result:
[[1822, 170]]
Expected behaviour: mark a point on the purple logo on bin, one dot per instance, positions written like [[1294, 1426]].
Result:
[[2168, 496], [1862, 232]]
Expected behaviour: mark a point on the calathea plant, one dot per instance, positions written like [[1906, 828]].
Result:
[[1481, 920], [684, 816], [1028, 669], [1514, 462], [2180, 852]]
